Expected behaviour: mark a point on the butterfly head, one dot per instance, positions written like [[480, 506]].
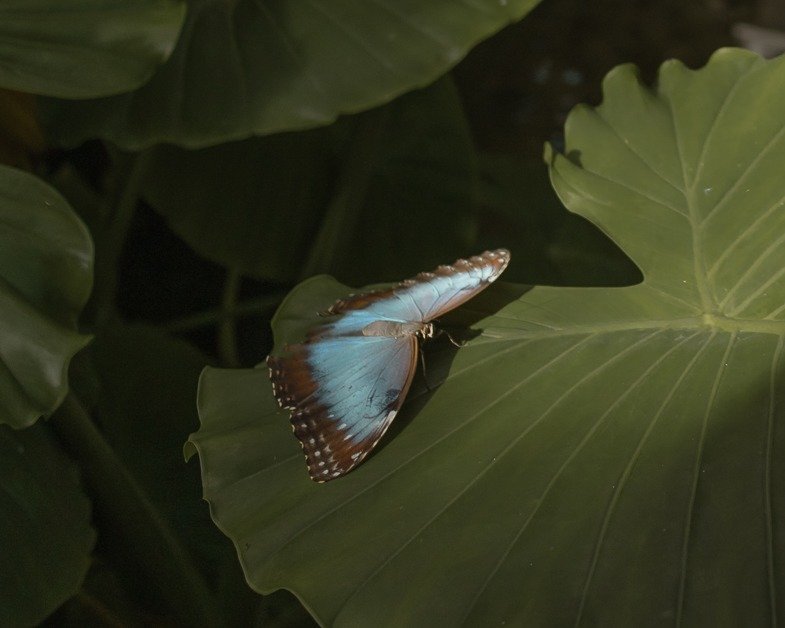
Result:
[[426, 331]]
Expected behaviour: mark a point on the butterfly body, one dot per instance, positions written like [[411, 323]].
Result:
[[346, 382], [398, 329]]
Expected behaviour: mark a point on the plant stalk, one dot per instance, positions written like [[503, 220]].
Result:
[[227, 338], [120, 499], [120, 205], [338, 229], [214, 317]]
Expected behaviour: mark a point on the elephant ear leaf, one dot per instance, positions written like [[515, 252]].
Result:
[[85, 48], [595, 455], [46, 274], [45, 534], [246, 67]]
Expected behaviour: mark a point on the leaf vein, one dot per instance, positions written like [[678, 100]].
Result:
[[629, 147], [622, 481], [768, 506], [738, 239], [737, 184], [551, 483], [457, 428], [695, 480]]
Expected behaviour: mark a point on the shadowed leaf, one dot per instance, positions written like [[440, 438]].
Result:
[[254, 68], [46, 273], [45, 533], [85, 48], [354, 198]]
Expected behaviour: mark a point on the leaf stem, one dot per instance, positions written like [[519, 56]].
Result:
[[119, 207], [213, 317], [227, 339], [102, 614], [339, 223], [119, 498]]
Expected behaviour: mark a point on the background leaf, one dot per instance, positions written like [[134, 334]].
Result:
[[595, 456], [145, 402], [20, 133], [248, 68], [45, 533], [350, 199], [46, 266], [85, 48]]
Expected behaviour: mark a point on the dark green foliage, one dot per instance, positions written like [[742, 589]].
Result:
[[605, 450]]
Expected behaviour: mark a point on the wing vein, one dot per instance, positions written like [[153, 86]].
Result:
[[371, 422]]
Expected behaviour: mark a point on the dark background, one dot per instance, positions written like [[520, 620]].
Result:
[[517, 88]]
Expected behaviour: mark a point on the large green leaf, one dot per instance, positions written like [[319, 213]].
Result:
[[45, 533], [85, 48], [252, 68], [46, 273], [349, 199], [596, 456]]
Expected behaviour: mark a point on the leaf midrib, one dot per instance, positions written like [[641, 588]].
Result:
[[706, 322]]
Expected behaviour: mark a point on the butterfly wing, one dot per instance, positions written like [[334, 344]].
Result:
[[428, 295], [344, 392], [344, 388]]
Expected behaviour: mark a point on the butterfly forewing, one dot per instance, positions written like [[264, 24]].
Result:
[[429, 295], [344, 387]]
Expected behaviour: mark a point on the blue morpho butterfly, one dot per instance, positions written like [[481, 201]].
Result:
[[346, 382]]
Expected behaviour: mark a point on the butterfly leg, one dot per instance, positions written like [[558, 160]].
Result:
[[450, 338], [424, 374]]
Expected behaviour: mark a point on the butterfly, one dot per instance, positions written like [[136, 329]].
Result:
[[346, 382]]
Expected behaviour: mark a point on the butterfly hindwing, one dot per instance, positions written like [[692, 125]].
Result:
[[343, 393]]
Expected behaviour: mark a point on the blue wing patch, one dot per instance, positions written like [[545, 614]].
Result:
[[343, 393]]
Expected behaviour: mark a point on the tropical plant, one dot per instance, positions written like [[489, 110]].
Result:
[[604, 454]]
